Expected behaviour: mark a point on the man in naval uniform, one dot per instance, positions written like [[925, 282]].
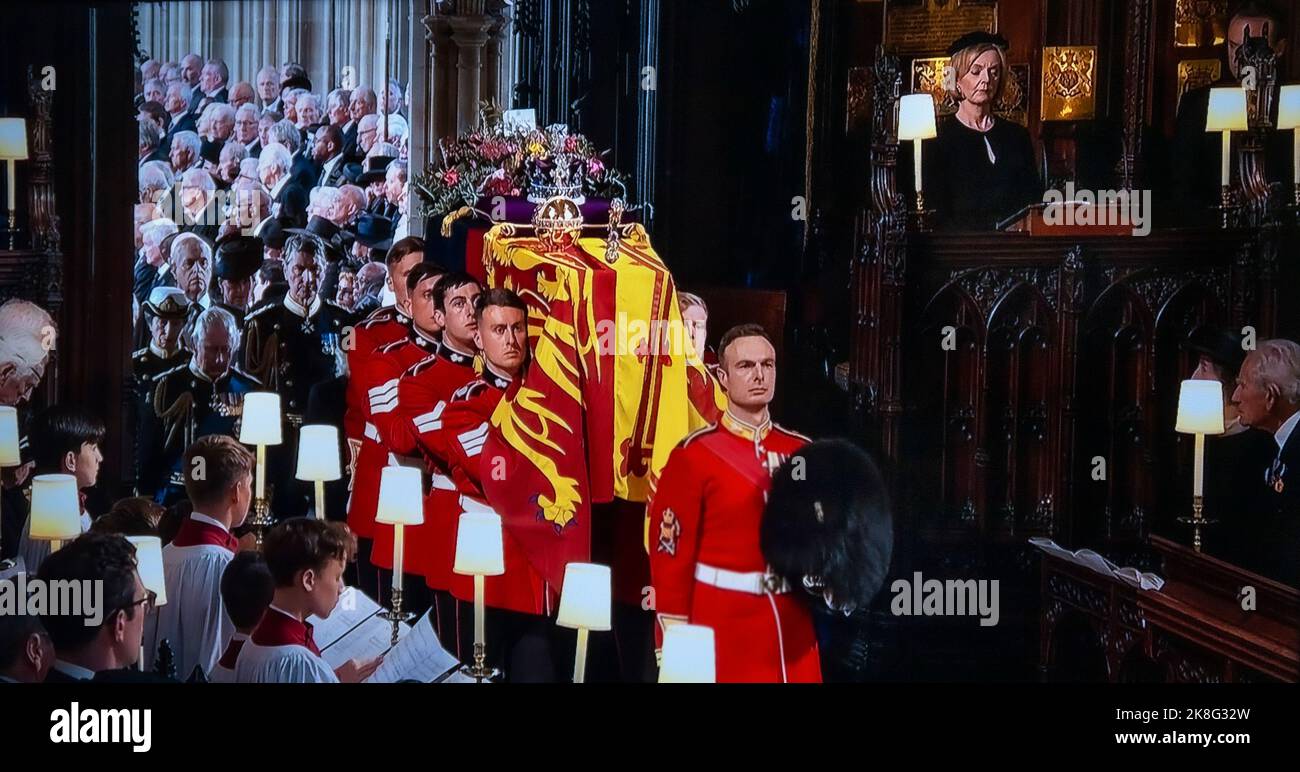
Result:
[[205, 396], [291, 345], [167, 309]]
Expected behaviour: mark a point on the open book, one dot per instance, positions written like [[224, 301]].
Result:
[[357, 629], [1089, 559]]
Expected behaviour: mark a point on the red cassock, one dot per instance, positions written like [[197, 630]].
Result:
[[424, 390], [382, 327], [705, 562], [465, 426]]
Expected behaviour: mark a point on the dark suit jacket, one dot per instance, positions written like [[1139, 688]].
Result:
[[305, 172], [254, 148], [57, 677], [186, 122], [198, 96], [210, 151], [158, 154], [350, 141], [292, 201], [335, 177]]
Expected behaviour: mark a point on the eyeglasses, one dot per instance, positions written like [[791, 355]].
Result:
[[150, 598]]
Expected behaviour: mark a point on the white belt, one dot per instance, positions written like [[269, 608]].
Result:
[[441, 481], [412, 461], [752, 582], [471, 504], [372, 433]]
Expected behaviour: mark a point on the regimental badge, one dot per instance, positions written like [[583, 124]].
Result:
[[1275, 476], [669, 529]]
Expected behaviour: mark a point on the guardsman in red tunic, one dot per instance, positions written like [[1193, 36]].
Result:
[[706, 565], [384, 326], [519, 621], [419, 393]]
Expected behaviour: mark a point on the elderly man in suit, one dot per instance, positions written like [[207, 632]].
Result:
[[1268, 398]]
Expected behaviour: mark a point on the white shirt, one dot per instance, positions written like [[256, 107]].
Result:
[[73, 671], [194, 620], [1283, 432], [329, 166]]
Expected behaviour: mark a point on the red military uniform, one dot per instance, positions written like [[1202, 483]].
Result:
[[382, 327], [423, 391], [465, 426], [705, 561]]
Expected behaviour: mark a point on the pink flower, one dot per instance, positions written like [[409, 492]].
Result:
[[571, 144], [450, 177], [595, 168]]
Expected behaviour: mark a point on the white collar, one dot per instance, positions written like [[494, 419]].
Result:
[[331, 163], [447, 343], [176, 116], [296, 307], [206, 301], [209, 520], [239, 637], [160, 353], [274, 607], [346, 126], [1283, 432], [73, 671], [279, 185], [194, 369], [213, 93]]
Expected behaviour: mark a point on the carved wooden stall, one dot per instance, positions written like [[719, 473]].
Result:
[[996, 373]]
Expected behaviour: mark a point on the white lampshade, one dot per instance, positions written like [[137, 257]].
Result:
[[401, 496], [13, 139], [56, 508], [479, 545], [9, 437], [261, 421], [1288, 107], [688, 655], [1227, 110], [585, 600], [149, 563], [1200, 408], [916, 117], [318, 453]]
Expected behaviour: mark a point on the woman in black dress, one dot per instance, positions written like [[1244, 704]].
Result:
[[981, 169]]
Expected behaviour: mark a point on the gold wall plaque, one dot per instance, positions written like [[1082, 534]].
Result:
[[927, 78], [918, 27], [1194, 73], [1069, 83], [1200, 23]]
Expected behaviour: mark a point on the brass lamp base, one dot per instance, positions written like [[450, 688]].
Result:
[[479, 671], [260, 520], [921, 215], [396, 615], [1197, 521]]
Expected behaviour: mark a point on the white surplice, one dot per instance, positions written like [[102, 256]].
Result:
[[289, 664], [35, 551], [193, 621]]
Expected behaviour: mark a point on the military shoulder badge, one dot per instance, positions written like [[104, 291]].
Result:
[[670, 528]]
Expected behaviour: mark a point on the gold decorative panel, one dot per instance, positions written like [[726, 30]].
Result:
[[1200, 23], [1194, 73], [1069, 83], [919, 27]]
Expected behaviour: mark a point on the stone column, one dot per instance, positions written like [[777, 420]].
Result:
[[470, 34]]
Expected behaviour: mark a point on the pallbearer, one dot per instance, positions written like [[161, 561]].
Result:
[[705, 561]]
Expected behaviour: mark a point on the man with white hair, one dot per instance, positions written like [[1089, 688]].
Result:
[[303, 171], [151, 266], [242, 94], [338, 113], [150, 146], [292, 345], [217, 125], [186, 151], [268, 88], [351, 203], [191, 74], [155, 90], [27, 335], [367, 134], [191, 264], [155, 181], [309, 113], [178, 108], [186, 398], [212, 84], [200, 210], [1268, 398], [233, 154], [288, 198], [246, 130]]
